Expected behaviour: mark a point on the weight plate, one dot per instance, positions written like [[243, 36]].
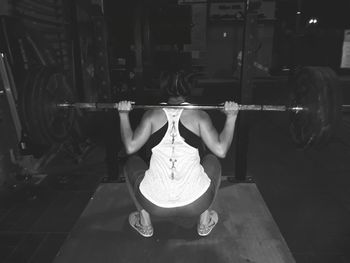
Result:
[[334, 100], [55, 123], [36, 105], [23, 94], [305, 94], [28, 109], [313, 88]]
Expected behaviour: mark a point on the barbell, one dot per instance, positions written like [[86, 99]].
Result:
[[187, 106], [48, 106]]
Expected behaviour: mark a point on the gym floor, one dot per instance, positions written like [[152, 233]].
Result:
[[306, 191]]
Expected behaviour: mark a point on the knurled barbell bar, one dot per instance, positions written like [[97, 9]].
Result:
[[188, 106], [314, 110]]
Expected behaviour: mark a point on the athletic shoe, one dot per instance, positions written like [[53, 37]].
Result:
[[204, 230], [135, 222]]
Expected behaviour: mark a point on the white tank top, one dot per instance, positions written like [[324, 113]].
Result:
[[175, 176]]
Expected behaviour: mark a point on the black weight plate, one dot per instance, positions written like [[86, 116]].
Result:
[[36, 105], [29, 111], [54, 122], [305, 126], [23, 95], [324, 113], [334, 100], [60, 121]]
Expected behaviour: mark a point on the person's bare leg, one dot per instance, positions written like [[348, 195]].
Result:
[[145, 218], [204, 218], [144, 215], [132, 193], [212, 167]]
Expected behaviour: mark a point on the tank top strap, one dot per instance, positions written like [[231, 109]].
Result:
[[173, 115]]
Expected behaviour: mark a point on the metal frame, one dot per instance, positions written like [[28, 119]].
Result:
[[10, 96], [246, 90]]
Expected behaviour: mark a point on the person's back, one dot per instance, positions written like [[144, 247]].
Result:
[[177, 180], [190, 118], [175, 176]]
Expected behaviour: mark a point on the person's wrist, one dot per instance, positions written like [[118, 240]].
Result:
[[123, 113], [231, 115]]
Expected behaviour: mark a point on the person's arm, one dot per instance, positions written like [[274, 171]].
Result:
[[219, 143], [133, 140]]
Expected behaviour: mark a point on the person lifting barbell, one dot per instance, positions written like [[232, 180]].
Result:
[[176, 182]]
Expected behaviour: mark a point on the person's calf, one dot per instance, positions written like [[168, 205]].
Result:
[[145, 218], [204, 218]]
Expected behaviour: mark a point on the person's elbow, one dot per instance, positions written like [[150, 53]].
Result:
[[130, 149], [221, 155], [221, 152]]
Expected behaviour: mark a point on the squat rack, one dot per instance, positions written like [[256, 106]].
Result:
[[246, 89]]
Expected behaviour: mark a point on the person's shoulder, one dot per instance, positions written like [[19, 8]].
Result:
[[199, 115], [203, 115], [153, 113]]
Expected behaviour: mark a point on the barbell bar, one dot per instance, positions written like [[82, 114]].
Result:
[[101, 106]]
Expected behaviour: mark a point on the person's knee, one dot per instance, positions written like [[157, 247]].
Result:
[[133, 166], [132, 159], [134, 162], [215, 162], [212, 165]]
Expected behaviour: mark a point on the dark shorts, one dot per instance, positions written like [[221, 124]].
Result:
[[135, 169]]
